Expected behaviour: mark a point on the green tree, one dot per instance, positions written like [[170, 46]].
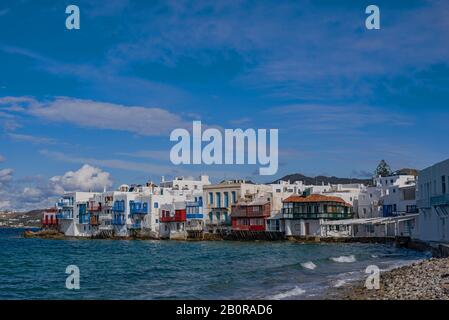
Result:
[[383, 169]]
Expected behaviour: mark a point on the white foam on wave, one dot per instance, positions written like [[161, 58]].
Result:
[[374, 256], [297, 291], [346, 259], [339, 283], [308, 265]]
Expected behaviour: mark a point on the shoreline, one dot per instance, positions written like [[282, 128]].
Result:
[[424, 280]]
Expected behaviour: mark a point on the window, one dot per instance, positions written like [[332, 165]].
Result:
[[443, 184], [218, 199], [156, 205], [211, 198], [234, 197], [211, 217], [226, 200]]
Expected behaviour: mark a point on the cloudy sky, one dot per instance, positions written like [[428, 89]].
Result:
[[94, 107]]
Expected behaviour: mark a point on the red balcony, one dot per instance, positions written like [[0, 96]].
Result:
[[49, 221], [179, 216], [248, 224]]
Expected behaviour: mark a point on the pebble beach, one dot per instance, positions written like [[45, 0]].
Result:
[[425, 280]]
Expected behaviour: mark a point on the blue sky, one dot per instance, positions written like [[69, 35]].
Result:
[[109, 94]]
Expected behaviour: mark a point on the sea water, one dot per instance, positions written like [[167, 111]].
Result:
[[120, 269]]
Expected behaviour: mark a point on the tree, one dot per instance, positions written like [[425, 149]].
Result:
[[383, 169]]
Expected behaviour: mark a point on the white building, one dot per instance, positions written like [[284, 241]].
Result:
[[433, 202], [73, 214]]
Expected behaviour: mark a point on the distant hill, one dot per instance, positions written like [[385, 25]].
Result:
[[322, 179], [407, 171], [22, 219]]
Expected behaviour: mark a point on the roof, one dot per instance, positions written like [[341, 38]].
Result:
[[315, 198]]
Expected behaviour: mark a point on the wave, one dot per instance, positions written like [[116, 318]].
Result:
[[347, 259], [308, 265], [297, 291], [374, 256]]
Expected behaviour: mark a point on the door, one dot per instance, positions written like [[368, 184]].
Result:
[[307, 228]]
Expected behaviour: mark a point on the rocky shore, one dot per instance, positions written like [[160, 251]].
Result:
[[425, 280]]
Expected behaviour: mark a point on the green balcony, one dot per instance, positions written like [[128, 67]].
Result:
[[442, 200]]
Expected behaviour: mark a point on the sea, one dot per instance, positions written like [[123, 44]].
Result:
[[33, 268]]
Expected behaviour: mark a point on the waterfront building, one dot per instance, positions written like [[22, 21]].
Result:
[[173, 221], [303, 215], [194, 217], [252, 215], [72, 214], [219, 198], [433, 202], [369, 203], [49, 219]]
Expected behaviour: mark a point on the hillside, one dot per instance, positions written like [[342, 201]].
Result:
[[322, 179]]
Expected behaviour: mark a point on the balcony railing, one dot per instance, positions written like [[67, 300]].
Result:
[[64, 215], [194, 216], [319, 215], [138, 208], [118, 222], [442, 200]]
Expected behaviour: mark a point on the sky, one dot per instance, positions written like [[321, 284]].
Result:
[[93, 108]]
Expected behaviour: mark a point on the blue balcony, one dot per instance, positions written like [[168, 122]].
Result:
[[64, 215], [118, 221], [138, 207], [84, 218], [194, 216], [119, 206]]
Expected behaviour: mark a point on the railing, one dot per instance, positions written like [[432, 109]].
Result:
[[65, 203], [118, 222], [320, 215], [138, 208], [64, 215], [442, 200], [194, 216], [119, 206]]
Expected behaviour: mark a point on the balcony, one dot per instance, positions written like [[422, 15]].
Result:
[[194, 216], [64, 204], [442, 200], [118, 221], [138, 208], [64, 216], [119, 206], [319, 215]]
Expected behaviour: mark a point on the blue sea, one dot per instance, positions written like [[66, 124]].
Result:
[[119, 269]]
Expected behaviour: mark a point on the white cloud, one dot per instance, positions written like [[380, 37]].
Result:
[[5, 175], [32, 139], [85, 179], [101, 115], [37, 192]]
